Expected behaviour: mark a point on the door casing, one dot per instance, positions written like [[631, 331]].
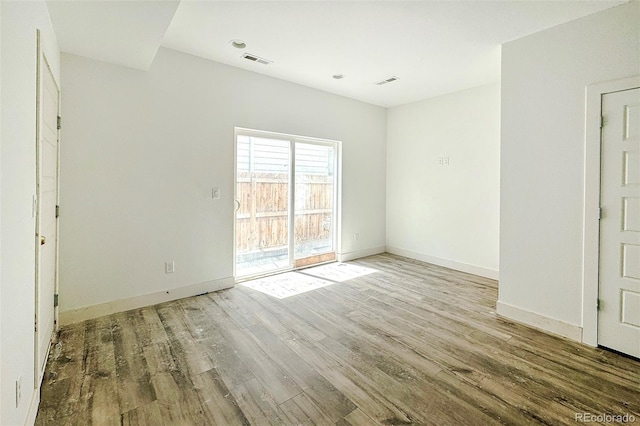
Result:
[[591, 221], [42, 65]]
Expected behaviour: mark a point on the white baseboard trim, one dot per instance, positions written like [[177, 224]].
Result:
[[33, 407], [121, 305], [451, 264], [352, 255], [34, 403], [538, 321]]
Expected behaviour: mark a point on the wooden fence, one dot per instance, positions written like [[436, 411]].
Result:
[[262, 219]]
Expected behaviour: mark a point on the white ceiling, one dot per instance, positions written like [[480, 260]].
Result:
[[434, 47], [122, 32]]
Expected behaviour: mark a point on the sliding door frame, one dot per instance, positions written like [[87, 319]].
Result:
[[337, 192]]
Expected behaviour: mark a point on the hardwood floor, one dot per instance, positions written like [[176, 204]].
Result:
[[409, 344]]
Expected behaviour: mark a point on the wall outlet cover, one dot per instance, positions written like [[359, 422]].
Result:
[[18, 390]]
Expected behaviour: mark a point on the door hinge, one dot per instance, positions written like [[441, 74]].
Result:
[[59, 122], [58, 211], [599, 304], [601, 121], [55, 300], [599, 213]]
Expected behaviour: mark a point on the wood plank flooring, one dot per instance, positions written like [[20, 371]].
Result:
[[411, 343]]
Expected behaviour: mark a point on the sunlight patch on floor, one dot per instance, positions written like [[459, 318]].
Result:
[[339, 272], [286, 285], [289, 284]]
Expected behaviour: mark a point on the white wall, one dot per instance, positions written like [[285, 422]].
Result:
[[19, 23], [447, 215], [542, 159], [141, 151]]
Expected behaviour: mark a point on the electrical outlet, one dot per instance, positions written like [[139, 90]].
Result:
[[18, 390], [356, 236], [170, 267], [215, 193]]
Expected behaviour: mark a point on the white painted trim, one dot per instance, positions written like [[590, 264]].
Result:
[[352, 255], [1, 210], [591, 224], [541, 322], [121, 305], [236, 207], [447, 263], [34, 404], [338, 200]]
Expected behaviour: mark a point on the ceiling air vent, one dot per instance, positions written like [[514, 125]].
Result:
[[257, 59], [385, 81]]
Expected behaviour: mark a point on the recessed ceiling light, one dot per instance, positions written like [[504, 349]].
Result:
[[338, 76], [238, 44]]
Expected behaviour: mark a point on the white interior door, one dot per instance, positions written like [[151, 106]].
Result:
[[46, 221], [619, 281]]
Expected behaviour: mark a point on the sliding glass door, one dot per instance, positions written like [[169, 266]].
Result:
[[314, 206], [262, 193], [286, 199]]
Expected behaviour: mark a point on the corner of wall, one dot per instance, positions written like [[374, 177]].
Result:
[[542, 196], [19, 23], [357, 254], [443, 184], [447, 263], [541, 322]]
